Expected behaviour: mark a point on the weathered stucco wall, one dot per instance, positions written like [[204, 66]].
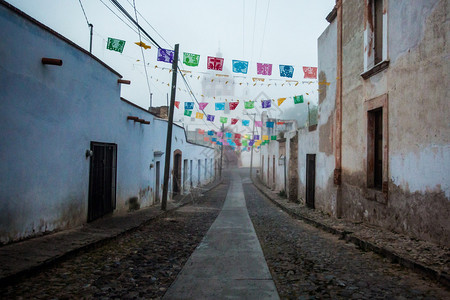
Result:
[[325, 193], [308, 143], [43, 179], [48, 117], [415, 84]]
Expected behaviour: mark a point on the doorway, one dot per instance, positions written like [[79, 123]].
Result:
[[198, 175], [157, 170], [185, 174], [310, 179], [176, 185], [273, 172], [102, 180], [190, 172]]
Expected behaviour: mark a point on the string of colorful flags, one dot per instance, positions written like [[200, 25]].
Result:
[[241, 68], [215, 63], [240, 80], [220, 106], [238, 140]]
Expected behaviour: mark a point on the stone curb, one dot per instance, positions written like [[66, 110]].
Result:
[[13, 278], [431, 273]]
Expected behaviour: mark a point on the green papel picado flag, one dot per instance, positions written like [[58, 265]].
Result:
[[249, 104], [298, 99], [115, 45], [190, 59]]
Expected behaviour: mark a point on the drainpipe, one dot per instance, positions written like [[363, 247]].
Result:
[[338, 137]]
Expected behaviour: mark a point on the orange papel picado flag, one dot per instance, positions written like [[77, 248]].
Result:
[[280, 101]]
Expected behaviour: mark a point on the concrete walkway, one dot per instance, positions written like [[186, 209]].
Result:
[[229, 262]]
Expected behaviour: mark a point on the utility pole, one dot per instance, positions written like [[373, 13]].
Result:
[[221, 154], [151, 95], [309, 118], [253, 134], [169, 129]]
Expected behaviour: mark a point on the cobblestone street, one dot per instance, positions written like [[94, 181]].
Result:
[[141, 264], [307, 263]]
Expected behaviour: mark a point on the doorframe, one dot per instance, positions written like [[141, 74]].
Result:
[[113, 186]]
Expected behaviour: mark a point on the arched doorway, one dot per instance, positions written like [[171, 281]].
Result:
[[176, 179]]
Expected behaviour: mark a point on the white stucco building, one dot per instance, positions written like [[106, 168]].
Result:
[[71, 149]]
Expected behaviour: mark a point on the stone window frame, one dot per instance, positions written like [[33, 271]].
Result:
[[382, 195], [370, 67]]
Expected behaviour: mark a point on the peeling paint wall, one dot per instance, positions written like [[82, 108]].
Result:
[[48, 117], [325, 191], [418, 142]]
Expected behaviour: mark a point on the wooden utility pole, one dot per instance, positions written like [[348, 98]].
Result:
[[169, 129], [253, 134], [221, 155]]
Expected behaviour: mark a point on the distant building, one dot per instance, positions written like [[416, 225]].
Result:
[[216, 86], [161, 112]]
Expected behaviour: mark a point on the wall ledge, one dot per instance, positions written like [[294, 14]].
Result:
[[375, 69]]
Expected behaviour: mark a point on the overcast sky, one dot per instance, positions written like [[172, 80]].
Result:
[[268, 31]]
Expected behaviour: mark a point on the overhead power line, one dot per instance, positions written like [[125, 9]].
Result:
[[146, 35], [191, 93], [123, 10], [82, 8], [121, 19], [264, 32], [143, 18], [143, 56]]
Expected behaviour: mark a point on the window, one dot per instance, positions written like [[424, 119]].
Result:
[[378, 30], [375, 38]]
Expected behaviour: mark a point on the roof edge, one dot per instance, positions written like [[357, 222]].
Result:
[[56, 34]]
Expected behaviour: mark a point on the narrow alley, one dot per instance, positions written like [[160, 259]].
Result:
[[250, 149], [208, 250]]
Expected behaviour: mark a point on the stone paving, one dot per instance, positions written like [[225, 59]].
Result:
[[138, 264], [305, 262], [25, 257], [423, 257], [309, 263]]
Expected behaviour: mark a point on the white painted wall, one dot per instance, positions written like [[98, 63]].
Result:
[[48, 117]]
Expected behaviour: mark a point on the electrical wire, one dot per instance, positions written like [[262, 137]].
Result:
[[143, 18], [82, 8], [143, 57], [254, 27], [119, 17], [243, 28], [264, 32], [127, 15], [124, 11], [191, 93]]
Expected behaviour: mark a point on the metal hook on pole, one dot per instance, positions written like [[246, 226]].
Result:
[[90, 42]]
